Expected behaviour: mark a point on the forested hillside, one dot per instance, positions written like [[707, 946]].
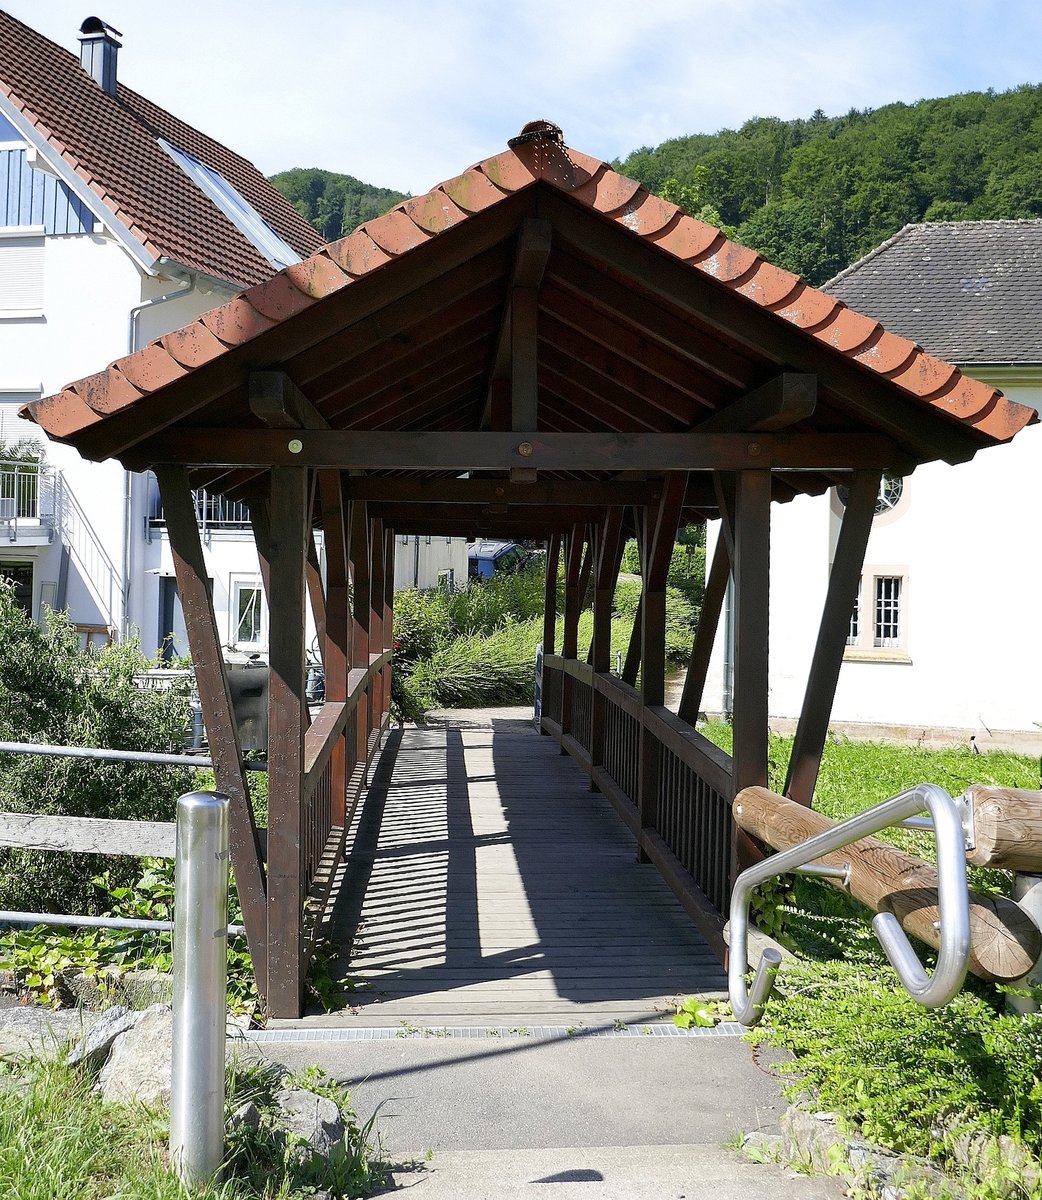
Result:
[[814, 195], [334, 204]]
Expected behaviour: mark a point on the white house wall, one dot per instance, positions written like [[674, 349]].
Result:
[[425, 561], [965, 538]]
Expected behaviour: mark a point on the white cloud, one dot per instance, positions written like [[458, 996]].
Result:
[[407, 94]]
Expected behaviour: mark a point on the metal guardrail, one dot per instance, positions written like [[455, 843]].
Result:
[[131, 756], [200, 944], [932, 991]]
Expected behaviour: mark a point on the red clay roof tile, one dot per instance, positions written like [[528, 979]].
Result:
[[317, 276], [357, 254], [236, 322], [769, 285], [886, 352], [151, 368], [808, 308], [193, 345], [63, 415], [704, 248], [433, 213], [473, 191], [396, 232], [687, 238], [648, 215], [847, 330], [608, 191]]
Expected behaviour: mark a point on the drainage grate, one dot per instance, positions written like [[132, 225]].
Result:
[[726, 1029]]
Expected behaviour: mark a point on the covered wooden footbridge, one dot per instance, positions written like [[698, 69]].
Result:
[[537, 348]]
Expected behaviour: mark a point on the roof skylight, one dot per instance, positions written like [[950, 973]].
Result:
[[235, 207]]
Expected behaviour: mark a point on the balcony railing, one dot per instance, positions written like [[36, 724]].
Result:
[[27, 500], [211, 511]]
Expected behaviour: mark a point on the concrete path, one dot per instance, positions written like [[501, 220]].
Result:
[[596, 1117]]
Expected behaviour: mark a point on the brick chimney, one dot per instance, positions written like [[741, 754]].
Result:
[[98, 50]]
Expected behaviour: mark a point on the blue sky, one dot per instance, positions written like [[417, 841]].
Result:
[[405, 94]]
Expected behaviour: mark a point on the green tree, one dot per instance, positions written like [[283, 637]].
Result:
[[53, 691], [334, 204]]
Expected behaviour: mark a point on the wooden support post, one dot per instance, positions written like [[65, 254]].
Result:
[[215, 697], [705, 635], [752, 542], [813, 727], [376, 618], [388, 614], [609, 556], [316, 595], [631, 664], [570, 635], [361, 583], [659, 540], [1004, 942], [337, 651], [553, 555], [287, 718]]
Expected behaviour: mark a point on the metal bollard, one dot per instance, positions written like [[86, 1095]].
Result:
[[1027, 891], [200, 980]]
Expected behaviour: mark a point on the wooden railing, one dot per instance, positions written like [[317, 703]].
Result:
[[325, 821], [686, 829]]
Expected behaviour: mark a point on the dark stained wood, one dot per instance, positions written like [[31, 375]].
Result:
[[378, 636], [277, 401], [1004, 942], [337, 642], [572, 594], [705, 635], [751, 580], [631, 663], [363, 298], [861, 392], [316, 595], [222, 734], [361, 583], [813, 726], [660, 538], [557, 492], [723, 488], [491, 451], [287, 709], [610, 545], [553, 557], [777, 404]]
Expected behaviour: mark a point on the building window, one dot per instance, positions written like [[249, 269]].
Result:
[[248, 613], [21, 279], [879, 620], [20, 576], [854, 633], [887, 613]]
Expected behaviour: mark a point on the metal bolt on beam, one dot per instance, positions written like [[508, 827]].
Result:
[[200, 981]]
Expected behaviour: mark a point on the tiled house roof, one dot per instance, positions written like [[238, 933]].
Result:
[[967, 290], [111, 143], [805, 325]]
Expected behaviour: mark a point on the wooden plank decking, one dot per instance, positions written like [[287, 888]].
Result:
[[487, 885]]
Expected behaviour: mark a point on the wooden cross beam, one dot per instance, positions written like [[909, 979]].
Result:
[[779, 403], [498, 451]]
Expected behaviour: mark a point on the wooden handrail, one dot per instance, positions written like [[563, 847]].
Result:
[[707, 760]]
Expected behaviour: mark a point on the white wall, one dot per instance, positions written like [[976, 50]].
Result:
[[420, 562], [967, 536]]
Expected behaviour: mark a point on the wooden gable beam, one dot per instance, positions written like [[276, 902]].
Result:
[[777, 404], [501, 492], [513, 379]]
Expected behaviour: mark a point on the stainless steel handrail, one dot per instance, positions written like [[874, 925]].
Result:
[[931, 991]]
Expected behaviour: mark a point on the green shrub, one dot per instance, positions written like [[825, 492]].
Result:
[[53, 691], [903, 1072], [475, 671]]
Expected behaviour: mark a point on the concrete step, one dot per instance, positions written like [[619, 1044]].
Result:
[[686, 1172]]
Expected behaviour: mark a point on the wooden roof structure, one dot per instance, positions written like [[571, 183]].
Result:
[[539, 348]]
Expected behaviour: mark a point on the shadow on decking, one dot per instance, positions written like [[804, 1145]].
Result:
[[486, 877]]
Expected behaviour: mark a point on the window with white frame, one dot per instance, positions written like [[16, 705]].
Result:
[[879, 618], [249, 612], [21, 272], [13, 430]]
